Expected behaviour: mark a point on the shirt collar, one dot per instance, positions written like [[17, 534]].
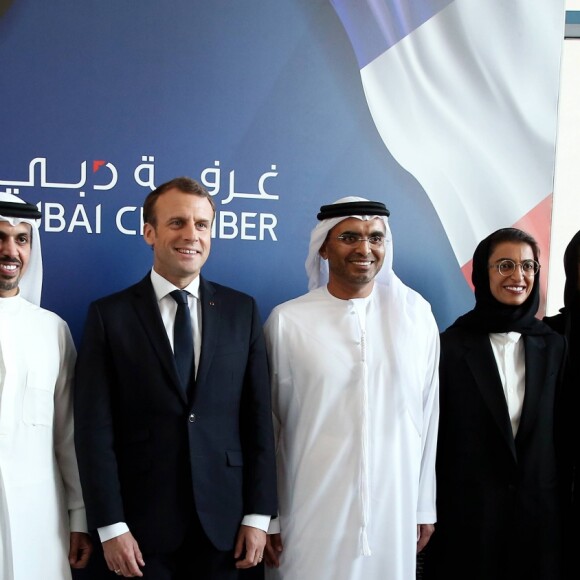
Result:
[[162, 287], [505, 337]]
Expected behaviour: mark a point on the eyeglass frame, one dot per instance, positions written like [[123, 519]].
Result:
[[515, 264], [379, 239]]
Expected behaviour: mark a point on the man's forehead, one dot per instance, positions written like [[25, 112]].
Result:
[[22, 227], [356, 224], [174, 201]]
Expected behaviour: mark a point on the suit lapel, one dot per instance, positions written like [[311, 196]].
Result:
[[535, 357], [482, 364], [210, 321], [147, 311]]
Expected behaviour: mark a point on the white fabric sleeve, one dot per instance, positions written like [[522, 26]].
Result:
[[274, 527], [270, 330], [257, 521], [78, 520], [112, 531], [426, 505], [63, 427]]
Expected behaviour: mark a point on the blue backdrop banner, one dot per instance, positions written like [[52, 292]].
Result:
[[261, 101]]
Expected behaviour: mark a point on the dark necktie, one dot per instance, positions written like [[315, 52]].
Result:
[[183, 338]]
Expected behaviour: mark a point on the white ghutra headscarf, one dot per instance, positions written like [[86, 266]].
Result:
[[317, 267]]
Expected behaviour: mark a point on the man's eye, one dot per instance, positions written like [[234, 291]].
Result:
[[349, 238]]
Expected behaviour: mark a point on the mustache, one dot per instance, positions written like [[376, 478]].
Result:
[[8, 260]]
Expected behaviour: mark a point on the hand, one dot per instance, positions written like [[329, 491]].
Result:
[[424, 533], [123, 555], [252, 540], [273, 550], [80, 549]]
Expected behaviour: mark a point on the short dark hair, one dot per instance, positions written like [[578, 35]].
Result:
[[183, 184], [513, 235]]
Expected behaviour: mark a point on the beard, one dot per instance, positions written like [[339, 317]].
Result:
[[9, 284]]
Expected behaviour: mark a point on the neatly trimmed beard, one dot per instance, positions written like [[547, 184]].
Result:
[[8, 285]]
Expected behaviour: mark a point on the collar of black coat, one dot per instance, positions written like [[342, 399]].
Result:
[[352, 208]]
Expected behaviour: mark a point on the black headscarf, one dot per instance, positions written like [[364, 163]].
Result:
[[490, 315], [571, 292]]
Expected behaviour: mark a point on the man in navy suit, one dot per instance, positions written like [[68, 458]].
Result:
[[178, 471]]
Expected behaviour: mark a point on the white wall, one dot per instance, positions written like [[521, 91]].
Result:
[[566, 211]]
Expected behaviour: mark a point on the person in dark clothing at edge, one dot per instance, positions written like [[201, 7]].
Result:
[[567, 322]]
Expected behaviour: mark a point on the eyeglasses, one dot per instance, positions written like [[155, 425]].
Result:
[[353, 239], [508, 267]]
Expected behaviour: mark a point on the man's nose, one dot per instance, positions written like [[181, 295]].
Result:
[[190, 232], [8, 247], [363, 245]]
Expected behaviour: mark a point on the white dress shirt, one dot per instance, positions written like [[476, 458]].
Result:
[[168, 308], [509, 354]]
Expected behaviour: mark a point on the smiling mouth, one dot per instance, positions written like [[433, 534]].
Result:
[[9, 267], [187, 252], [516, 289]]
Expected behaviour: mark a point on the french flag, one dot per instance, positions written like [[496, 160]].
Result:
[[464, 94]]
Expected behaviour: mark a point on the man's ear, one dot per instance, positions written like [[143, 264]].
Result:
[[149, 234], [322, 251]]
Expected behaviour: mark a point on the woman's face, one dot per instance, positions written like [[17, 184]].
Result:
[[511, 288]]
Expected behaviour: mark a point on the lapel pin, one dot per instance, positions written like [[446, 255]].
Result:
[[211, 303]]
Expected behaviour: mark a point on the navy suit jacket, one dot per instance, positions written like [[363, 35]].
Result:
[[146, 455]]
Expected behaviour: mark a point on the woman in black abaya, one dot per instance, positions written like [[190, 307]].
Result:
[[498, 496]]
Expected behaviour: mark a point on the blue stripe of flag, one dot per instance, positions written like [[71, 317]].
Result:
[[373, 26]]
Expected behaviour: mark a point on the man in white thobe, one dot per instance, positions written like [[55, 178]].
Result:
[[355, 401], [42, 516]]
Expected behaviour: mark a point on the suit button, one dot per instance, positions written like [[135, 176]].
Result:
[[192, 418]]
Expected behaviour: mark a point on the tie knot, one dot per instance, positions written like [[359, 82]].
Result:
[[180, 296]]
